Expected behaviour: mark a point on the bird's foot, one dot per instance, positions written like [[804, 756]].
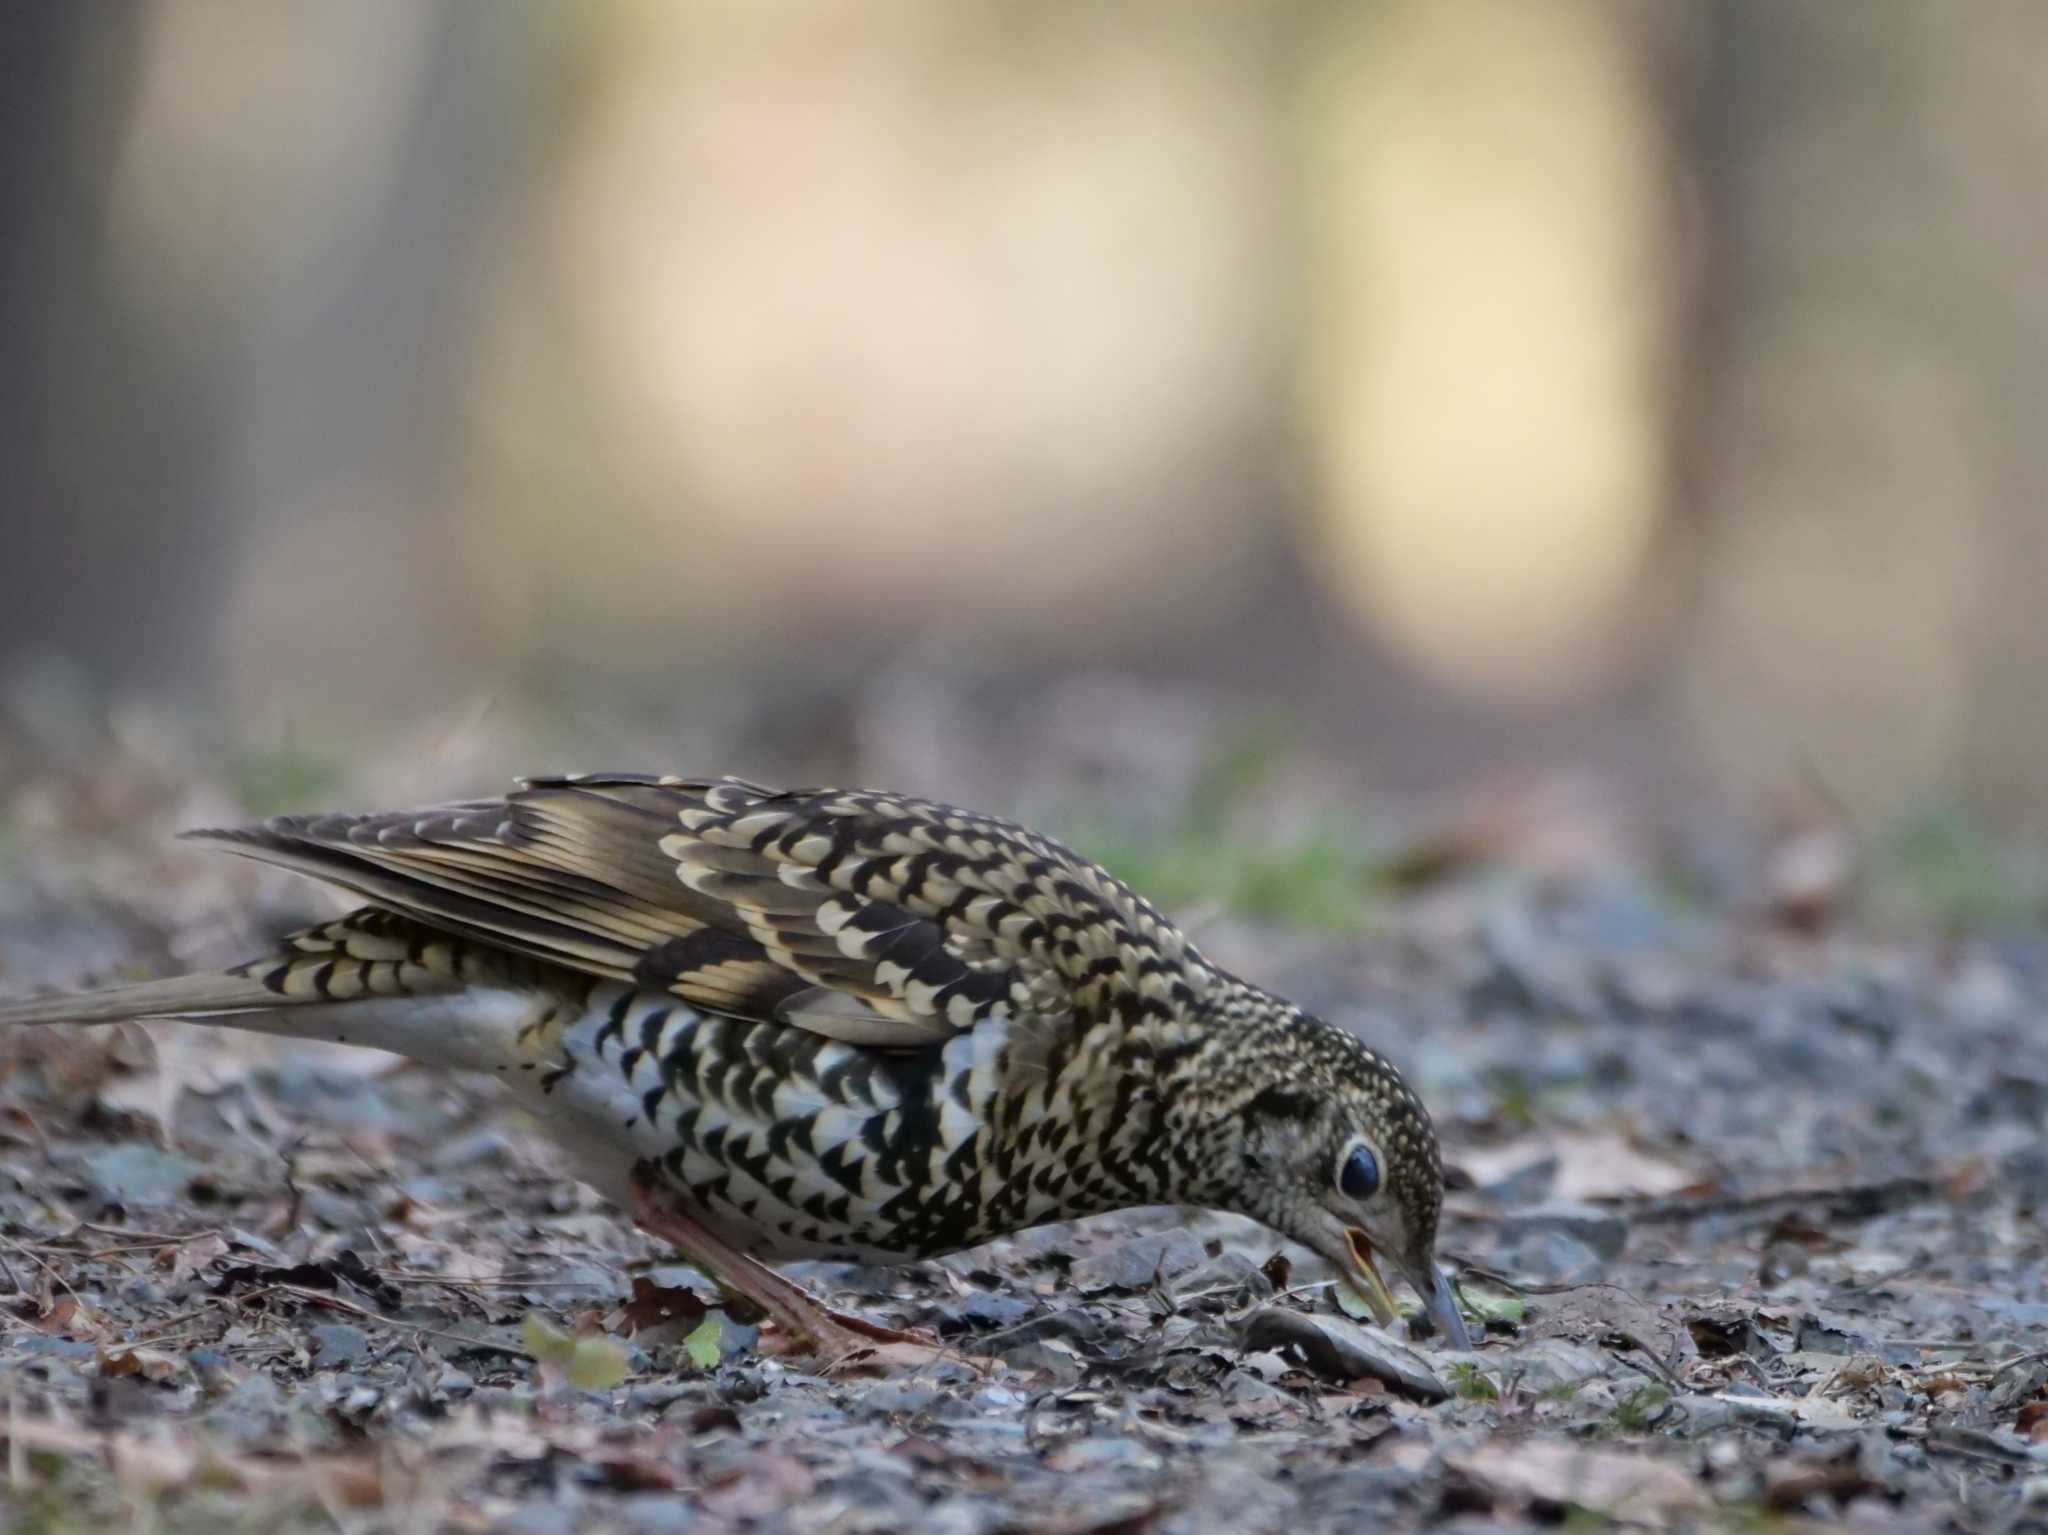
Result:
[[802, 1324]]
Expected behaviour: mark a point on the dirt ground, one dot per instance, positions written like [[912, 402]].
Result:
[[1746, 1192]]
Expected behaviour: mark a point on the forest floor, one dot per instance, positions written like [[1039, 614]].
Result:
[[1747, 1190]]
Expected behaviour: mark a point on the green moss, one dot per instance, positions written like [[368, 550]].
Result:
[[1471, 1383], [1638, 1411]]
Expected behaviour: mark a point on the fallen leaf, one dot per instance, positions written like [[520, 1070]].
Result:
[[149, 1363], [1609, 1314], [597, 1363], [1727, 1332], [638, 1473], [326, 1274], [72, 1317], [654, 1306], [1490, 1306], [1791, 1484], [587, 1361], [187, 1259], [1591, 1164], [703, 1344], [1796, 1229], [1339, 1350]]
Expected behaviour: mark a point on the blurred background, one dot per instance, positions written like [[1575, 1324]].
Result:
[[1451, 399]]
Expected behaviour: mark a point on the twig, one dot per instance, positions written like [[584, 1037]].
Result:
[[1971, 1444], [336, 1303], [403, 1276], [1657, 1367], [146, 1238], [1885, 1194], [30, 1254]]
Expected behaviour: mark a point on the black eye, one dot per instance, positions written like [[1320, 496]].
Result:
[[1360, 1179]]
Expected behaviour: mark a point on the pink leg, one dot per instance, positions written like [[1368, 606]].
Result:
[[807, 1325]]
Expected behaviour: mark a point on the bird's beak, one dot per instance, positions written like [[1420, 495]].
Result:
[[1364, 1275], [1438, 1303]]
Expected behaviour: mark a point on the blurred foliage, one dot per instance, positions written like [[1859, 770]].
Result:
[[286, 777], [1471, 1383], [1212, 856], [1641, 1408], [1315, 881], [1946, 864]]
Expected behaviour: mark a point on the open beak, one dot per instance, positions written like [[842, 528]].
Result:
[[1364, 1275], [1438, 1303]]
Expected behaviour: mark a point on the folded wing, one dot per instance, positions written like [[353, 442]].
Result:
[[871, 918]]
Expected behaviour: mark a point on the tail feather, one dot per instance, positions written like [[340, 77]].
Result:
[[373, 978], [365, 955], [184, 996]]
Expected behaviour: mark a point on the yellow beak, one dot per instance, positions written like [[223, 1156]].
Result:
[[1439, 1301], [1364, 1276]]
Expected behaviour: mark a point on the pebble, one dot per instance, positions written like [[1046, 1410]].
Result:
[[540, 1518], [338, 1345], [660, 1513], [138, 1176], [887, 1398], [1547, 1364], [1139, 1264], [1553, 1257], [1231, 1275], [1603, 1231], [484, 1145], [1054, 1360]]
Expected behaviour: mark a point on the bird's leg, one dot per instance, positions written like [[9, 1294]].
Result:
[[807, 1324]]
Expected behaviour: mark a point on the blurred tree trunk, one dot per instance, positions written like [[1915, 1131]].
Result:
[[92, 414], [1871, 465], [237, 244]]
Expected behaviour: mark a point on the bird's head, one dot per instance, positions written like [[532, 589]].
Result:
[[1335, 1151]]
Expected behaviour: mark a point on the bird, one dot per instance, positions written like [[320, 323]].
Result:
[[828, 1023]]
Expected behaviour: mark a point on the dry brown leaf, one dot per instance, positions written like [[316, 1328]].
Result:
[[656, 1310], [186, 1259], [74, 1318], [149, 1363], [1792, 1483], [1598, 1312], [1591, 1164]]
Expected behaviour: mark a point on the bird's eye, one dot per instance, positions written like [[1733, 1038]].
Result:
[[1360, 1178]]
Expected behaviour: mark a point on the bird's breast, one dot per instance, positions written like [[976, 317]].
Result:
[[794, 1145]]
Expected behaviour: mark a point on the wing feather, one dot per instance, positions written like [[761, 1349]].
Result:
[[870, 918]]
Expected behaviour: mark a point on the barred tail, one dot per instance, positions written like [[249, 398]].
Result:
[[372, 978], [184, 996]]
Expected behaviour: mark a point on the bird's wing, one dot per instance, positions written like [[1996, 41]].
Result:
[[868, 917]]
